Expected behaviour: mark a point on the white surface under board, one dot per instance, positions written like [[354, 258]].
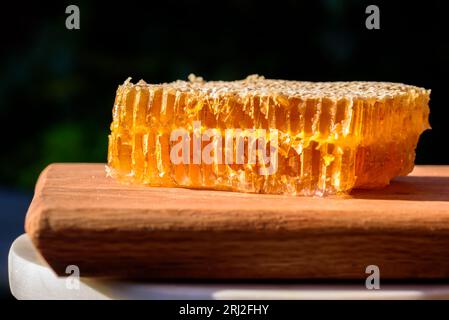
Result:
[[31, 278]]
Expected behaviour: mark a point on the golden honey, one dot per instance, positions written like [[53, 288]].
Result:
[[331, 137]]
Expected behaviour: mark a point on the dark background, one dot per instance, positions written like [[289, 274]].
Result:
[[57, 86]]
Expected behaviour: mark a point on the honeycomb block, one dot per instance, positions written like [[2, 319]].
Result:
[[266, 136]]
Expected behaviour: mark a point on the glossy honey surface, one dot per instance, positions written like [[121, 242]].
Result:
[[331, 136]]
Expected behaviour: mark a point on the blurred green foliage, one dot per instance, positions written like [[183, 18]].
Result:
[[57, 86]]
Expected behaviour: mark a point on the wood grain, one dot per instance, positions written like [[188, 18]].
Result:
[[79, 216]]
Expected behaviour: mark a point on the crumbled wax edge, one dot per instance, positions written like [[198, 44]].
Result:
[[258, 85]]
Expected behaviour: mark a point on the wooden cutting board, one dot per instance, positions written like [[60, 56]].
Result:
[[80, 217]]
